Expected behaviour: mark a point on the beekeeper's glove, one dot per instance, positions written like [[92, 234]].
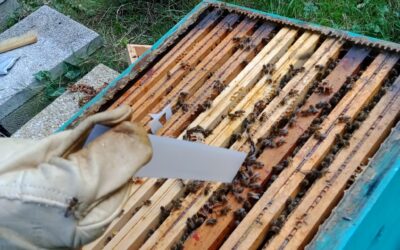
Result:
[[54, 193]]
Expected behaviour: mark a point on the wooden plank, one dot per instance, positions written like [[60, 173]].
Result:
[[180, 120], [264, 91], [309, 146], [263, 32], [16, 42], [172, 229], [214, 60], [246, 79], [211, 237], [174, 226], [157, 90], [172, 57], [133, 229], [139, 194], [164, 230], [147, 217], [253, 228], [327, 191], [136, 50], [235, 33], [368, 205]]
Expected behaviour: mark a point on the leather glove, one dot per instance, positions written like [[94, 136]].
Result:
[[56, 194]]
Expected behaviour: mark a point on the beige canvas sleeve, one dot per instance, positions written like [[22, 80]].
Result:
[[57, 194]]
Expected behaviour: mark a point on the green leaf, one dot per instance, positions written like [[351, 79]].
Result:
[[42, 76], [58, 92], [72, 74]]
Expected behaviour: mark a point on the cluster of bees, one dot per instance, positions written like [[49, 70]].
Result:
[[89, 92], [218, 86], [196, 134], [277, 223], [341, 141], [243, 43], [186, 66], [181, 102], [217, 204], [246, 177], [291, 73]]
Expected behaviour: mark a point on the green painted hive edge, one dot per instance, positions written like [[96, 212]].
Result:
[[367, 217]]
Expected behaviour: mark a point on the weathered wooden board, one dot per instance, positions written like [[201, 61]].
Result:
[[367, 216], [211, 237], [167, 199], [246, 79], [136, 50], [252, 230], [172, 229], [326, 192], [180, 120], [265, 89]]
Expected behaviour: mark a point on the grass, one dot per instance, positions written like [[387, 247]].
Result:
[[121, 22]]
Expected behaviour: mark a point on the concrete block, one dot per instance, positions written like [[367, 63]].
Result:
[[59, 111], [61, 39], [7, 8]]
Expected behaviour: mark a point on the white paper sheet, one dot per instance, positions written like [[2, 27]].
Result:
[[181, 159]]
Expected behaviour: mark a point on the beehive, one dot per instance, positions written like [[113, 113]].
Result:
[[308, 104]]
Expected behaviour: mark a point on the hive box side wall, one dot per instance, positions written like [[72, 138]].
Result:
[[368, 217]]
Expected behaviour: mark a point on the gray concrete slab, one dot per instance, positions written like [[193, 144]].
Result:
[[59, 111], [61, 39], [7, 8]]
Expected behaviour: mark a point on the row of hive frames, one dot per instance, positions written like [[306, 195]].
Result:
[[296, 101]]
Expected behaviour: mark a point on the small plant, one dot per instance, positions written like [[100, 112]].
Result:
[[12, 19], [72, 72], [55, 87], [52, 87]]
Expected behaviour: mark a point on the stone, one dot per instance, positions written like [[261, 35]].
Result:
[[60, 39], [59, 111], [7, 8]]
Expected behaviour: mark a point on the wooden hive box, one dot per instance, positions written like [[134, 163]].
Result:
[[310, 105]]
